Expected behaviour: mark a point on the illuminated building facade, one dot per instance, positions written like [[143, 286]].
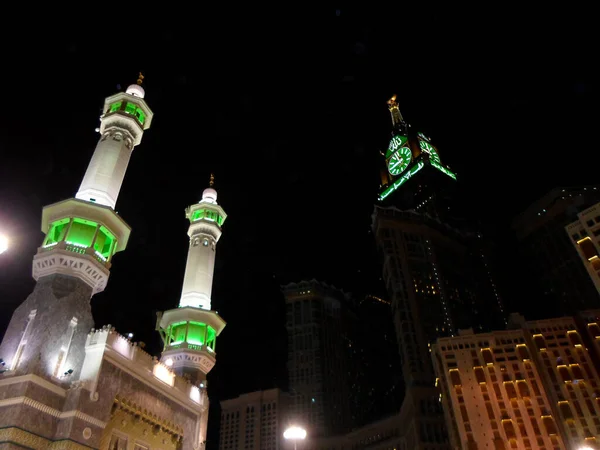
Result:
[[585, 236], [318, 357], [551, 268], [533, 386], [437, 277], [254, 421], [63, 386]]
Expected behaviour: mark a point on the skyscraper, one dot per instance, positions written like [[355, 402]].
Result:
[[585, 236], [552, 270], [318, 357], [253, 421], [437, 276], [64, 384]]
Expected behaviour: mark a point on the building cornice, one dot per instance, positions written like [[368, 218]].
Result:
[[51, 411], [32, 378]]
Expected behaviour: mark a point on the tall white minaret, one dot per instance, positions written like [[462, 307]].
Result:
[[83, 233], [47, 332], [205, 219], [126, 116], [190, 331]]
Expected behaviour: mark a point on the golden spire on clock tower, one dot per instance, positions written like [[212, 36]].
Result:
[[397, 118]]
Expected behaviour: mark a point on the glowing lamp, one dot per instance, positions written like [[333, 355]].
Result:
[[169, 362], [295, 434], [3, 243]]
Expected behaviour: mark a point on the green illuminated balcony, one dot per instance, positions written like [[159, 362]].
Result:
[[130, 108]]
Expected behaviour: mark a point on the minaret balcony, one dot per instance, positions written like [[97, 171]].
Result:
[[76, 248], [187, 345], [70, 259]]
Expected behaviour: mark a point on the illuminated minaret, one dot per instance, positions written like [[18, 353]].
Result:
[[126, 116], [190, 331], [47, 332]]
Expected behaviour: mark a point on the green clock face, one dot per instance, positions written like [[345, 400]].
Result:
[[426, 147], [396, 142], [399, 161]]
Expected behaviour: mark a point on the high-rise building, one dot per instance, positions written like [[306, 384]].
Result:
[[63, 386], [318, 357], [551, 269], [585, 236], [375, 372], [533, 386], [437, 276], [254, 421]]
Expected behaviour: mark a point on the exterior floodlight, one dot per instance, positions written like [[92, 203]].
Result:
[[294, 434], [3, 243]]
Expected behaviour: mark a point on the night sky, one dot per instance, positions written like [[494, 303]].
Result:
[[287, 107]]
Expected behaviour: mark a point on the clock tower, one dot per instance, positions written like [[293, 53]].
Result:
[[414, 176]]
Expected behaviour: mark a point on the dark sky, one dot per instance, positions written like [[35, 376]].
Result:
[[287, 107]]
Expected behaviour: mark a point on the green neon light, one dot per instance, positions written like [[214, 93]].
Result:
[[197, 333], [82, 232], [136, 111], [403, 179], [115, 107], [104, 243], [207, 214], [399, 161], [57, 231], [396, 142], [443, 169], [140, 115]]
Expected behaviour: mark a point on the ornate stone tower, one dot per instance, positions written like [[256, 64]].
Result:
[[190, 331], [47, 333]]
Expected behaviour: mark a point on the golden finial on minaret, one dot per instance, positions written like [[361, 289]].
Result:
[[140, 79], [212, 180]]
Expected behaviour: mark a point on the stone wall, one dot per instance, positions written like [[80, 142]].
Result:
[[56, 300]]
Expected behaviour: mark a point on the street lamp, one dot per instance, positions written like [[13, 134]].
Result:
[[295, 434], [3, 243]]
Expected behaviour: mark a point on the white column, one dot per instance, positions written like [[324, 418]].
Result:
[[199, 269], [106, 171]]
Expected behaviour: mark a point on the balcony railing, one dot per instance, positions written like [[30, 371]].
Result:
[[76, 248]]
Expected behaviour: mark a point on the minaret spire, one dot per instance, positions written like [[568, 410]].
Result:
[[126, 116], [73, 262], [190, 331]]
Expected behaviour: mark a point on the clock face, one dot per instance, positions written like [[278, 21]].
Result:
[[396, 142], [399, 161], [426, 147]]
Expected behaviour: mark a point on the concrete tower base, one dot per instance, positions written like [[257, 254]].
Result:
[[47, 332]]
